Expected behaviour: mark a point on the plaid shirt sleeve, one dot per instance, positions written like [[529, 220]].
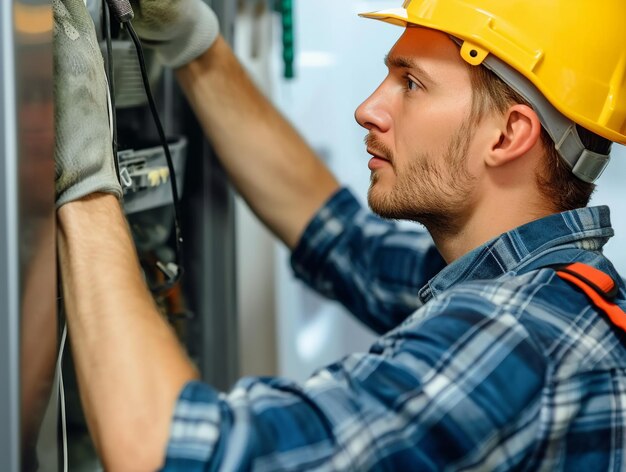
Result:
[[366, 263], [457, 385]]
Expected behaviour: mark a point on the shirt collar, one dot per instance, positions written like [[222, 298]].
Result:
[[584, 228]]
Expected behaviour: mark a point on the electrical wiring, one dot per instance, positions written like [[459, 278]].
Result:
[[111, 85], [122, 11], [59, 367], [173, 278]]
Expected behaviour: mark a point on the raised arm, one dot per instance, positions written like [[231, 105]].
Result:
[[130, 367], [277, 173]]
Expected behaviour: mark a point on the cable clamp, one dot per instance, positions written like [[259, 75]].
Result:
[[170, 270], [125, 178]]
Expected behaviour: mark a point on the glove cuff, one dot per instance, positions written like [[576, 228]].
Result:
[[201, 28], [92, 184]]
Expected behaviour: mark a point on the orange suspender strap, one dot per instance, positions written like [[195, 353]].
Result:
[[598, 286]]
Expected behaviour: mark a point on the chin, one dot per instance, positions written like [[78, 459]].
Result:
[[382, 203]]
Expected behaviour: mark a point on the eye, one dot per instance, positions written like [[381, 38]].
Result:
[[411, 84]]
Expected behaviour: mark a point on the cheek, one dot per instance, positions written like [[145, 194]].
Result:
[[474, 165], [428, 127]]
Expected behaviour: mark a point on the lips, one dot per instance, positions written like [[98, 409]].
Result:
[[382, 156], [377, 161], [377, 155]]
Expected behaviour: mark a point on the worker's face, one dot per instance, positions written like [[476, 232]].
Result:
[[420, 135]]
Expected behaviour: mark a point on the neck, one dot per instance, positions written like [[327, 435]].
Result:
[[491, 217]]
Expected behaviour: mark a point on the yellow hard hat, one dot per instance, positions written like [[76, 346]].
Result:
[[573, 52]]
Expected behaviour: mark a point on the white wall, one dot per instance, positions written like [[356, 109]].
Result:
[[255, 246], [339, 63], [611, 191]]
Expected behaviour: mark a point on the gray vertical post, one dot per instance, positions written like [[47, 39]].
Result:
[[226, 10], [9, 311], [27, 255], [219, 350]]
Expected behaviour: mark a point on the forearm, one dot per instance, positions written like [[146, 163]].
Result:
[[129, 364], [278, 174]]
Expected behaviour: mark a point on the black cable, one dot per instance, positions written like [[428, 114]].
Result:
[[107, 36], [173, 278], [123, 12]]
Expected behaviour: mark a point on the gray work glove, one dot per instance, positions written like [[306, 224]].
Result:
[[83, 150], [178, 30]]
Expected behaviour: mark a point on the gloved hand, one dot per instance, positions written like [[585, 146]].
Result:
[[83, 150], [178, 30]]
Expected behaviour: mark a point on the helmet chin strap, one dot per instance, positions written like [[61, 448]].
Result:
[[585, 164]]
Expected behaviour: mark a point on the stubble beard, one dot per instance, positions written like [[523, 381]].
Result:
[[429, 191]]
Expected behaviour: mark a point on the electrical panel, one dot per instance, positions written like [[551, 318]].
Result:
[[200, 307]]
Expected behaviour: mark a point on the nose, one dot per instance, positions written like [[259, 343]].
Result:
[[373, 113]]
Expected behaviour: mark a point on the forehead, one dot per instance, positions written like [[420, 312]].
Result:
[[428, 49]]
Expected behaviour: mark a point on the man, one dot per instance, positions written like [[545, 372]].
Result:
[[487, 360]]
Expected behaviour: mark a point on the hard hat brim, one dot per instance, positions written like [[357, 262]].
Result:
[[401, 17], [395, 16]]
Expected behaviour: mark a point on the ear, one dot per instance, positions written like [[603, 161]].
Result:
[[520, 130]]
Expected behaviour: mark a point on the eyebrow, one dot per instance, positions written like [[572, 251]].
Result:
[[403, 62]]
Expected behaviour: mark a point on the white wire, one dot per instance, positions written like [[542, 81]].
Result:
[[62, 397], [109, 105]]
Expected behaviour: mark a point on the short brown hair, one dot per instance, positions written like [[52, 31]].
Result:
[[555, 180]]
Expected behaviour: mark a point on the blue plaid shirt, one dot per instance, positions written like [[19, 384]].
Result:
[[491, 363]]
